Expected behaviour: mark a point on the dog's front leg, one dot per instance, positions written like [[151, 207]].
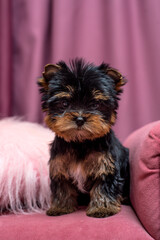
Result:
[[101, 203], [64, 197]]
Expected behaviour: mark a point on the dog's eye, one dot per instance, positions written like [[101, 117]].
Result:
[[95, 105], [65, 103]]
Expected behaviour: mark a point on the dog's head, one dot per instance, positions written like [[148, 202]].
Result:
[[80, 99]]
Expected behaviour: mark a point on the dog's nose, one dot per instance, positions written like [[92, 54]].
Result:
[[80, 121]]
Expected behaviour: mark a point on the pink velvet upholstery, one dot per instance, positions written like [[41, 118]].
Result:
[[144, 147], [74, 226]]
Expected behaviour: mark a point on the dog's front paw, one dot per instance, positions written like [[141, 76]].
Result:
[[53, 211], [102, 212]]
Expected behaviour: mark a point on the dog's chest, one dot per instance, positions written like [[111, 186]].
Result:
[[82, 169], [78, 176]]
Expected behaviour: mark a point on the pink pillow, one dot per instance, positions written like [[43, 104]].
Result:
[[24, 155], [144, 145]]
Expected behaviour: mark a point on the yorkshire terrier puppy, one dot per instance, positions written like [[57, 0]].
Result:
[[86, 159]]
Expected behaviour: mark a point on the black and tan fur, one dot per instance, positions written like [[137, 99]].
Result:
[[87, 161]]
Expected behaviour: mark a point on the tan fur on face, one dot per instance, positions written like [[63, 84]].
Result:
[[42, 82], [62, 94], [96, 126], [99, 95], [113, 118], [66, 94], [70, 88], [64, 126]]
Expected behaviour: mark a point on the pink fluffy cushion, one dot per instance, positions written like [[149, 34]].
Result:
[[24, 155], [144, 145]]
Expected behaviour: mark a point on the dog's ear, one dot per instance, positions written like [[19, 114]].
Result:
[[115, 75], [49, 71], [43, 82]]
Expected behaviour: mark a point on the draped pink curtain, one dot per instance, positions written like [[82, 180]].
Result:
[[120, 32], [5, 58]]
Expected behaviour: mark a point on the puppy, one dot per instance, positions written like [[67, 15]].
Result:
[[86, 159]]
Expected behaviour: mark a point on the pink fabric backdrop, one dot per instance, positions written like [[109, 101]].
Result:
[[120, 32]]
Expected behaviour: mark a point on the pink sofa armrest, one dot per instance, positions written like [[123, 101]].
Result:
[[144, 146]]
